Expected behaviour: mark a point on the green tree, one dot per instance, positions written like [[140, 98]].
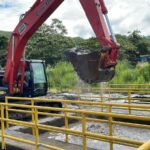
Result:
[[57, 27], [49, 43], [140, 42], [126, 47], [91, 43], [3, 49]]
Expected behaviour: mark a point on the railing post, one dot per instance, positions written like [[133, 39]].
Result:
[[3, 127], [36, 129], [110, 127], [6, 111], [129, 100], [102, 103], [78, 93], [66, 122], [109, 91], [84, 131], [33, 116]]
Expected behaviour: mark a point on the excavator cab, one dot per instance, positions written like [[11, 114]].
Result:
[[35, 80]]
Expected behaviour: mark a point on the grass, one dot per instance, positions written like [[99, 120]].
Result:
[[61, 76], [125, 74]]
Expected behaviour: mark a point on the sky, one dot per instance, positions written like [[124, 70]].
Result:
[[125, 16]]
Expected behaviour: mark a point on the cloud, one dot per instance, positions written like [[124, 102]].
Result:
[[127, 15], [82, 31]]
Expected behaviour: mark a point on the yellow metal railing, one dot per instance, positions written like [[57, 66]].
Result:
[[83, 115]]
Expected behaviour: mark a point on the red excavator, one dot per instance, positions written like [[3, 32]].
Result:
[[28, 77]]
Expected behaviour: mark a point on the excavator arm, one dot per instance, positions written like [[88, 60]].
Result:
[[94, 67], [95, 11]]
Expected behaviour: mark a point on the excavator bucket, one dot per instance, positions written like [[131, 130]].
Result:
[[86, 64]]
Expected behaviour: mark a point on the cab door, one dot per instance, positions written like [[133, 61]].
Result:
[[38, 78]]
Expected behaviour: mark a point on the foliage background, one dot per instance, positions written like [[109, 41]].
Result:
[[51, 41]]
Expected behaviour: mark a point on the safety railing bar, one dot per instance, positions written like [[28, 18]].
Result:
[[114, 139], [37, 99], [131, 124], [50, 147], [19, 139], [83, 102], [74, 117], [13, 123], [108, 87], [115, 142], [118, 108], [135, 109], [61, 115], [71, 132], [20, 122], [49, 114], [99, 103], [137, 98], [20, 111], [131, 84], [122, 88], [123, 116]]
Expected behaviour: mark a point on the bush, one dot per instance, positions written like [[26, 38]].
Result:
[[61, 76], [125, 74]]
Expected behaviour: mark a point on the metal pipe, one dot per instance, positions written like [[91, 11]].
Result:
[[2, 127], [19, 139], [110, 28]]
